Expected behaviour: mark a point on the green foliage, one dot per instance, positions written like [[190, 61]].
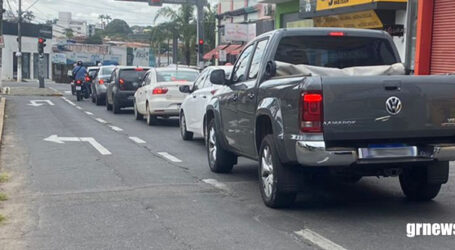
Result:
[[2, 218], [4, 177], [117, 28], [3, 197], [95, 39], [69, 33]]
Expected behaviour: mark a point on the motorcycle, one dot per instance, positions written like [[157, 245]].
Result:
[[82, 88]]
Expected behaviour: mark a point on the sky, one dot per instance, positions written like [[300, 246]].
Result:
[[132, 13]]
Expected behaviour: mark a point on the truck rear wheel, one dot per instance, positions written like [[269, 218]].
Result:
[[273, 176], [220, 160], [414, 183]]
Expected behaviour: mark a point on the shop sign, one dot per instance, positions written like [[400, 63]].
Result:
[[362, 20], [222, 56], [333, 4], [239, 32]]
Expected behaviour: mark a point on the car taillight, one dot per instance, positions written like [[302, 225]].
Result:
[[101, 82], [121, 81], [336, 34], [78, 82], [159, 91], [87, 79], [311, 117]]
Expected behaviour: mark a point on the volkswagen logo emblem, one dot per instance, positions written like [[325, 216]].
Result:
[[393, 105]]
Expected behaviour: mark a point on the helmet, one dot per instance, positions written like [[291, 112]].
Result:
[[79, 63]]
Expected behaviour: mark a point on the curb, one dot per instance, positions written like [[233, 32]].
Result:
[[2, 117]]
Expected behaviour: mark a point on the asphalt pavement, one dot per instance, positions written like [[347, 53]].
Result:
[[90, 179]]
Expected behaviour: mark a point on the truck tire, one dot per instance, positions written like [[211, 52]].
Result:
[[273, 175], [186, 136], [415, 186], [220, 160]]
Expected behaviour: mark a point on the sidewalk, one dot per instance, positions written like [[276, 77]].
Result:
[[30, 88]]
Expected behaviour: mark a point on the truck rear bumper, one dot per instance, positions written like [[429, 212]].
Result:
[[314, 154]]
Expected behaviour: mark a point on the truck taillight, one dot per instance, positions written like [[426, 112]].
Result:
[[159, 91], [311, 116]]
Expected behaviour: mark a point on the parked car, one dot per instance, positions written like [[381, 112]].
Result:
[[192, 112], [303, 100], [99, 83], [160, 95], [124, 82]]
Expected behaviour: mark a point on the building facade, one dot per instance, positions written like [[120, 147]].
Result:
[[65, 23], [30, 57], [435, 52]]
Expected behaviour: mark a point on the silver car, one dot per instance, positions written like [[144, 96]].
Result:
[[99, 84]]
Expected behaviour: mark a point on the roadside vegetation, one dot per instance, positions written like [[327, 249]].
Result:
[[4, 177]]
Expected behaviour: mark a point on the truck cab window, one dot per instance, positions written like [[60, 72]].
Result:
[[257, 58], [239, 73]]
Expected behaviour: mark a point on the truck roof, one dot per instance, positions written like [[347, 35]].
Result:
[[326, 31]]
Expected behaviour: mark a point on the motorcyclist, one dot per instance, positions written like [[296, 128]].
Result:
[[79, 73]]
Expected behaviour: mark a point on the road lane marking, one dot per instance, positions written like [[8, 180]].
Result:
[[68, 101], [96, 145], [137, 140], [38, 103], [116, 128], [61, 140], [78, 107], [100, 120], [88, 113], [318, 240], [67, 92], [169, 157], [216, 184]]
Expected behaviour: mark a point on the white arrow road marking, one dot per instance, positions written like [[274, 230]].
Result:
[[61, 140], [88, 113], [100, 120], [116, 128], [169, 157], [216, 184], [37, 103], [137, 140], [318, 240]]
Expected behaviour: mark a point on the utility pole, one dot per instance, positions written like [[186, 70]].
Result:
[[410, 19], [19, 44], [200, 31]]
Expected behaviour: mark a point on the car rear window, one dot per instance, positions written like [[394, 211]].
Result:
[[175, 75], [107, 71], [335, 52], [132, 78]]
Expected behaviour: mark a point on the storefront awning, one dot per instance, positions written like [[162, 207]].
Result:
[[232, 49], [214, 52]]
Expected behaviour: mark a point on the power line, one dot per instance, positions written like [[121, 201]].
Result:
[[36, 1]]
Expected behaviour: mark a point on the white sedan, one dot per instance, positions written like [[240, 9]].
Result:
[[159, 95], [193, 108]]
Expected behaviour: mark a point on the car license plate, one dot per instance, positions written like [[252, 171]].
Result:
[[78, 88], [387, 151]]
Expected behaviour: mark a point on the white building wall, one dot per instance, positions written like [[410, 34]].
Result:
[[120, 51], [29, 45], [400, 41]]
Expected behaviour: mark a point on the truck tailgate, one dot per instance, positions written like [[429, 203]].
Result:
[[388, 109]]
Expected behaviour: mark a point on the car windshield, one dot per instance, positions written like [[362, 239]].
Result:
[[175, 75], [106, 71], [335, 52]]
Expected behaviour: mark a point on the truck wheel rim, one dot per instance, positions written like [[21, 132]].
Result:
[[267, 171], [212, 145], [183, 124]]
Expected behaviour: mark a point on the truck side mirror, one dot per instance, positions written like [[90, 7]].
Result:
[[218, 77], [270, 70]]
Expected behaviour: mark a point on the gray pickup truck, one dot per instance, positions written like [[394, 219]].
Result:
[[338, 101]]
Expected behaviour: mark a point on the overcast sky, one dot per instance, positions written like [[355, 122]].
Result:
[[132, 13]]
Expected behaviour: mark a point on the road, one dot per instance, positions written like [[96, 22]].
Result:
[[155, 191]]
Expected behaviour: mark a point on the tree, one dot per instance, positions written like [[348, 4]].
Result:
[[210, 26], [95, 39], [117, 28], [182, 20], [51, 21], [69, 33]]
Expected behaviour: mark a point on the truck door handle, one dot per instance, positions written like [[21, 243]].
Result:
[[194, 96], [204, 96], [251, 95], [392, 85]]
